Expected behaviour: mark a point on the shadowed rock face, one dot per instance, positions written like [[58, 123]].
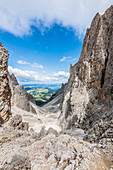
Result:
[[5, 94], [88, 95]]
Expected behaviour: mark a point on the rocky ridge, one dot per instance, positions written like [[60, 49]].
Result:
[[19, 95], [5, 93], [88, 96]]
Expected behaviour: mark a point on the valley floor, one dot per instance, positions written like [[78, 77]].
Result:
[[37, 150]]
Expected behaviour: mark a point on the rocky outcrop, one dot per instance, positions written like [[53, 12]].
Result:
[[88, 96], [17, 123], [5, 94], [25, 150], [20, 97]]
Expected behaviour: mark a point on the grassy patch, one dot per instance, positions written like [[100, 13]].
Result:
[[41, 95]]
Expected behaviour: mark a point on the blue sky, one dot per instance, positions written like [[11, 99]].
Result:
[[44, 37]]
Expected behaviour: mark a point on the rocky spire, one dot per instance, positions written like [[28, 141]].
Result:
[[5, 94], [70, 69], [88, 95]]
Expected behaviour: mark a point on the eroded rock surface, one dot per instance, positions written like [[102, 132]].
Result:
[[5, 94], [25, 150], [20, 97], [17, 123], [88, 96]]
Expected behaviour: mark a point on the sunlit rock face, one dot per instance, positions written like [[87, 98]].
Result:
[[88, 95], [19, 95], [5, 93]]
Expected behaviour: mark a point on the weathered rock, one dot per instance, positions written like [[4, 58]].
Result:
[[52, 131], [88, 95], [17, 123], [25, 126], [20, 97], [13, 80], [21, 150], [43, 132], [5, 94]]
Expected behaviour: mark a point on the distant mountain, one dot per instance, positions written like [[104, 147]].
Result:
[[51, 86], [42, 92]]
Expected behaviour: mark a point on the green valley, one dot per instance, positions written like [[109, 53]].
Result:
[[41, 94]]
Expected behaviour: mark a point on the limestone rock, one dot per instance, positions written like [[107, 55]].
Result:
[[43, 132], [13, 80], [17, 123], [5, 94], [52, 131], [20, 97], [88, 95], [21, 150]]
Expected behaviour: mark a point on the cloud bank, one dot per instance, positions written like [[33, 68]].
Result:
[[17, 16], [32, 77], [36, 65]]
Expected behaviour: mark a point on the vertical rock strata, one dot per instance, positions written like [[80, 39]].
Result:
[[5, 94], [88, 95]]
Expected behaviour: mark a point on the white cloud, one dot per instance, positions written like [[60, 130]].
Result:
[[17, 16], [63, 59], [28, 77], [73, 59], [23, 62], [68, 59], [62, 74], [36, 65]]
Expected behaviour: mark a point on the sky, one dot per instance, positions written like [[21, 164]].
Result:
[[44, 36]]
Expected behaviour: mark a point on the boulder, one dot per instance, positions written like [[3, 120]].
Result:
[[17, 123], [52, 131]]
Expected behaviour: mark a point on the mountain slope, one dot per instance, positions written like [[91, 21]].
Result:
[[88, 95]]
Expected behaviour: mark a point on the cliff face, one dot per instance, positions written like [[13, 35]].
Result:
[[88, 96], [5, 94], [19, 95]]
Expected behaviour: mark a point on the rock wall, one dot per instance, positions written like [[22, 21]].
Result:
[[88, 96], [19, 95], [5, 94]]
